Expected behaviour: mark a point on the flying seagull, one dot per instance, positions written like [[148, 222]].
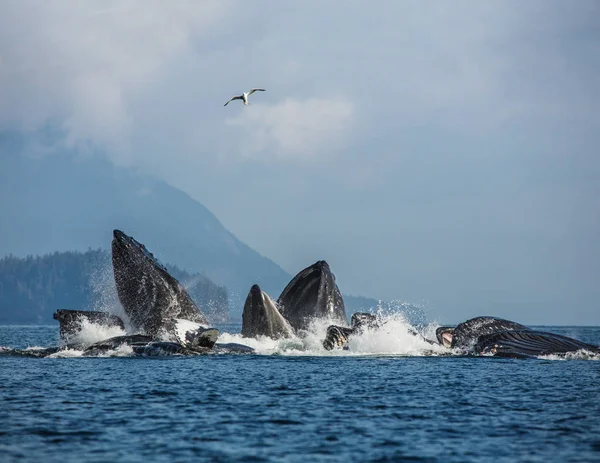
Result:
[[244, 96]]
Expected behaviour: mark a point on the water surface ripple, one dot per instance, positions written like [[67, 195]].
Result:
[[262, 408]]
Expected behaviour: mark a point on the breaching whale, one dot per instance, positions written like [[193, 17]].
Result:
[[312, 293], [261, 317], [150, 296]]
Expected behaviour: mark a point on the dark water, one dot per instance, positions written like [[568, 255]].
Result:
[[254, 408]]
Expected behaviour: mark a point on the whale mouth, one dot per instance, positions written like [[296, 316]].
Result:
[[336, 337], [445, 336], [447, 339]]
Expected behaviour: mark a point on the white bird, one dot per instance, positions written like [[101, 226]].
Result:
[[244, 96]]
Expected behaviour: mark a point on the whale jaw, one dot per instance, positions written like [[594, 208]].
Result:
[[262, 318], [150, 296]]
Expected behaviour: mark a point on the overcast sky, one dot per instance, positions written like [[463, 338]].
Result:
[[444, 153]]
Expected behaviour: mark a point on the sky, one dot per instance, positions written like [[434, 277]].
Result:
[[442, 153]]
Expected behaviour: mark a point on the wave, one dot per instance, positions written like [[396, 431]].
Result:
[[577, 355], [93, 332], [394, 337]]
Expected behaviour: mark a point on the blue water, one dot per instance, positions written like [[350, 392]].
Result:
[[296, 408]]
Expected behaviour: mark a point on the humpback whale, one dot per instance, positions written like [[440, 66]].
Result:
[[527, 343], [150, 296], [261, 317], [337, 336], [191, 341], [166, 320], [164, 317], [311, 294], [505, 338], [194, 340], [465, 335], [162, 314], [197, 341]]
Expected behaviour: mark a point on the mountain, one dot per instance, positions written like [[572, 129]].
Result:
[[72, 202], [65, 202]]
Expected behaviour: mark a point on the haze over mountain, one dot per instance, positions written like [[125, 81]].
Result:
[[60, 202], [33, 288], [445, 154], [72, 202]]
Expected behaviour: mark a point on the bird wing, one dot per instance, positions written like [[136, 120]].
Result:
[[239, 97], [256, 90]]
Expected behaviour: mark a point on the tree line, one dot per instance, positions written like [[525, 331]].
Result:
[[32, 288]]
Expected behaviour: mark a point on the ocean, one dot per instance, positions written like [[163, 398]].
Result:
[[390, 398]]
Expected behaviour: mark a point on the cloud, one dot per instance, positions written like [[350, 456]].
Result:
[[441, 111], [294, 130], [138, 77], [79, 65]]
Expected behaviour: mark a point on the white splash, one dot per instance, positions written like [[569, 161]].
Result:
[[581, 354], [124, 350], [393, 337], [66, 353], [106, 299], [93, 332], [181, 328]]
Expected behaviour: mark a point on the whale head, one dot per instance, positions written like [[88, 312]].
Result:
[[150, 296], [312, 294], [262, 318]]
